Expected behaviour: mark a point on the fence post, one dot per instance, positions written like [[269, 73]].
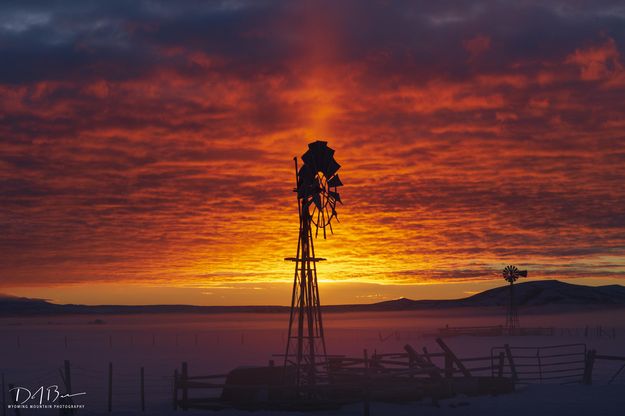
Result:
[[417, 361], [426, 354], [449, 366], [540, 367], [511, 362], [110, 397], [175, 389], [68, 377], [588, 366], [183, 381], [449, 354], [501, 363], [4, 398], [366, 403], [142, 391], [67, 380]]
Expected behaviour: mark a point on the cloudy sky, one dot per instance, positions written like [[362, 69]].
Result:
[[146, 147]]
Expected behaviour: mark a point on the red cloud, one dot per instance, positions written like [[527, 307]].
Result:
[[600, 62], [156, 158]]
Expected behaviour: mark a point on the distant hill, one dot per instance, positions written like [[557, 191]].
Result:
[[17, 306], [551, 292], [536, 294], [12, 305], [527, 294]]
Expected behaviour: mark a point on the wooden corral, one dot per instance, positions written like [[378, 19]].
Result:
[[397, 377], [405, 376]]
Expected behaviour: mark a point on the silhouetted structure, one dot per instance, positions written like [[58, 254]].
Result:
[[316, 185], [511, 274]]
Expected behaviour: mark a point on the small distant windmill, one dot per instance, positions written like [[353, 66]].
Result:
[[511, 274], [316, 186]]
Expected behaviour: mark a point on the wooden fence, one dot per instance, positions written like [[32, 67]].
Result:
[[368, 375]]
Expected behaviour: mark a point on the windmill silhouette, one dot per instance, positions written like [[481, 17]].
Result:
[[316, 187], [511, 274]]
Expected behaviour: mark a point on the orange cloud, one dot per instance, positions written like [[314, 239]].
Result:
[[161, 153]]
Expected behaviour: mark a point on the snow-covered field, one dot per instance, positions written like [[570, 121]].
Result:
[[33, 351]]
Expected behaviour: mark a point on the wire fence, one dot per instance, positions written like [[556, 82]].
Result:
[[123, 389], [158, 381]]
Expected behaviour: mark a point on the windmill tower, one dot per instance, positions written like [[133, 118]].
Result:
[[511, 274], [317, 196]]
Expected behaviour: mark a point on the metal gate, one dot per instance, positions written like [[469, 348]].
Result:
[[561, 364]]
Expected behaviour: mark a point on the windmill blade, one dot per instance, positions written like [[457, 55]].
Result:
[[332, 204], [317, 227], [324, 158], [305, 182], [315, 179], [335, 181], [317, 146], [311, 157], [305, 172], [324, 224], [330, 216], [329, 152], [335, 195], [321, 153], [305, 176], [317, 221], [322, 161], [335, 215], [310, 160], [512, 273], [332, 168], [317, 201]]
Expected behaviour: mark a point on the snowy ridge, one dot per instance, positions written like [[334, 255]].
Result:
[[528, 294]]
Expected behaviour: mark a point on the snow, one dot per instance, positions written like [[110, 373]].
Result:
[[33, 350]]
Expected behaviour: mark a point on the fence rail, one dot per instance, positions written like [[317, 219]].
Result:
[[536, 364], [379, 373]]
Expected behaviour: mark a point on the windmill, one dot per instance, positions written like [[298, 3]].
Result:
[[511, 274], [316, 187]]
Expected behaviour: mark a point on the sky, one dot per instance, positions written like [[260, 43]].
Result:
[[146, 147]]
